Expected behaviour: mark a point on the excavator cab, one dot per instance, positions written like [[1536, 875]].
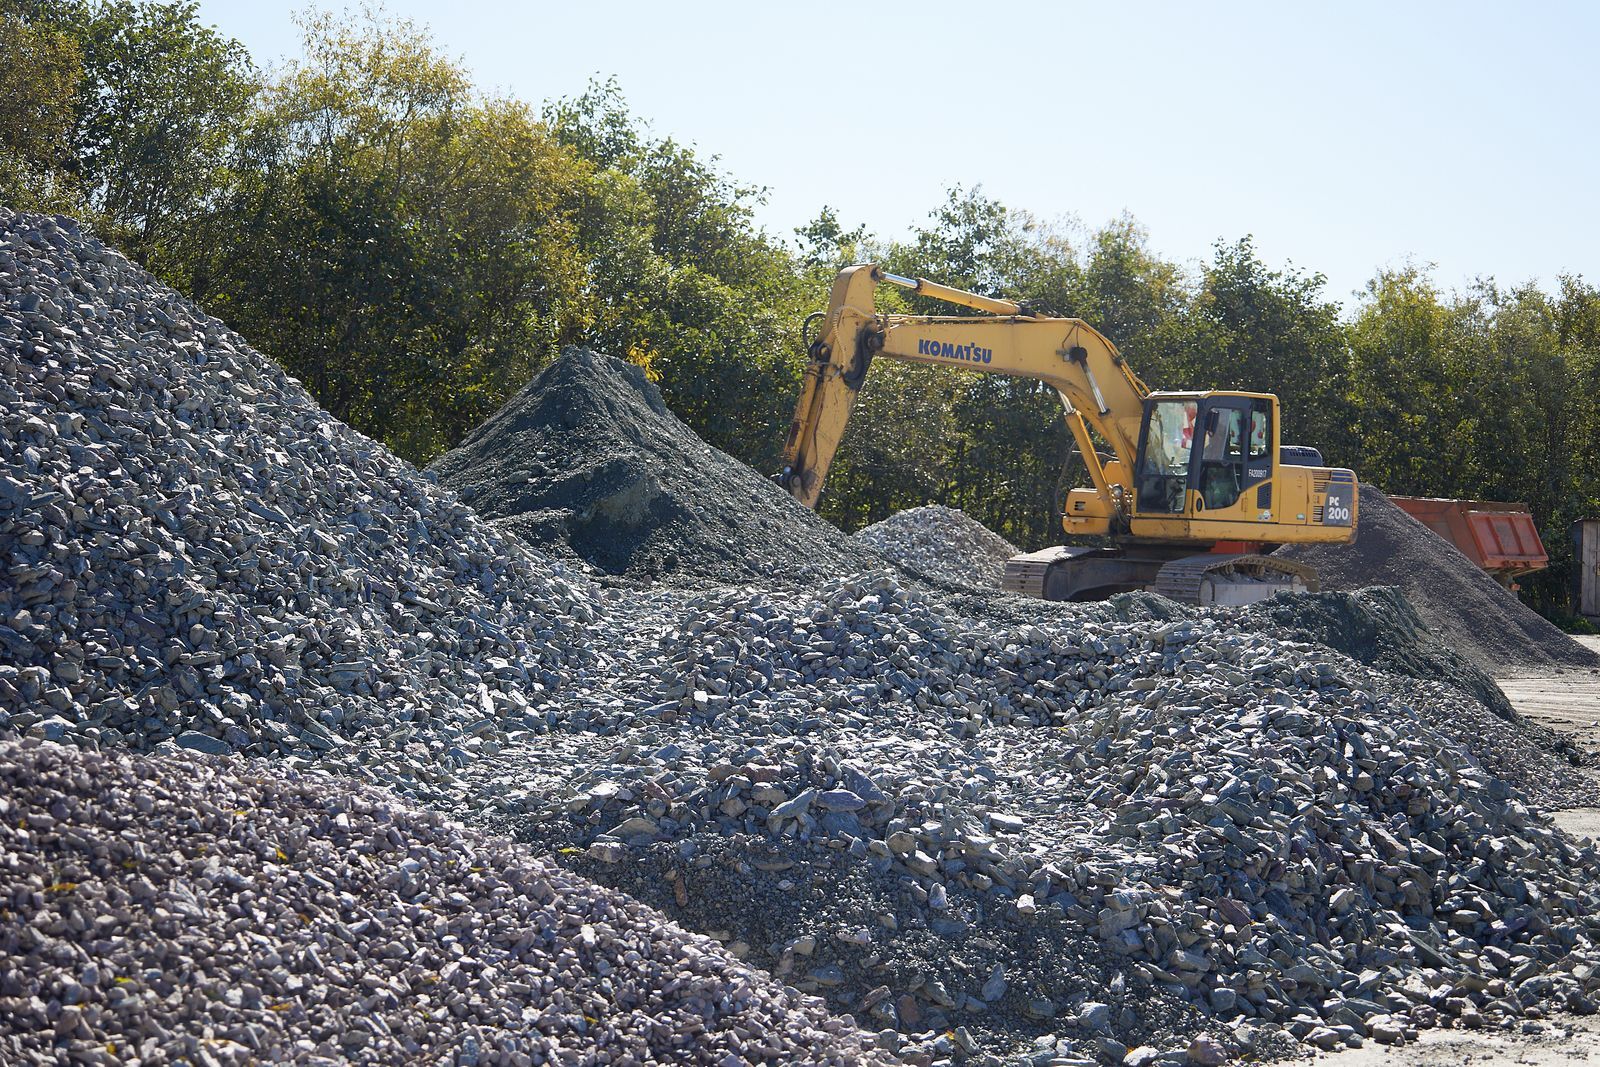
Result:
[[1206, 455]]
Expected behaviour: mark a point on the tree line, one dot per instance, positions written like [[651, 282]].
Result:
[[414, 248]]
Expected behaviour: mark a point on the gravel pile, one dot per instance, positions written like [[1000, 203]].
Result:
[[1472, 612], [194, 551], [942, 545], [1098, 835], [1130, 832], [1378, 626], [189, 911], [587, 461]]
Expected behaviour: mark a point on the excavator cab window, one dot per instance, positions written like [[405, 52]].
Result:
[[1166, 443], [1222, 457]]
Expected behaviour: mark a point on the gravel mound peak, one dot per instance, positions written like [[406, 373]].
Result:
[[186, 910], [943, 545], [588, 461], [194, 552], [1470, 610]]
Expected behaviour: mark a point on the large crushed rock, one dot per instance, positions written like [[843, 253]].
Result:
[[941, 544], [1378, 626], [588, 460], [1220, 834], [187, 910], [192, 549], [1472, 612]]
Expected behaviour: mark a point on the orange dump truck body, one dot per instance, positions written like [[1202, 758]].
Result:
[[1500, 538]]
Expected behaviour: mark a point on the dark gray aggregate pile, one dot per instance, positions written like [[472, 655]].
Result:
[[587, 460], [187, 910], [1471, 612]]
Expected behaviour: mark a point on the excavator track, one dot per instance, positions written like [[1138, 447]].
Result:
[[1232, 580]]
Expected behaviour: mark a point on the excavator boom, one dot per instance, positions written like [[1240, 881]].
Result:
[[1098, 390]]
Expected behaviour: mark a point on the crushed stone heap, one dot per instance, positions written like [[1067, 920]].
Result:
[[1470, 610], [943, 545], [192, 549], [588, 460], [187, 910], [983, 826], [1099, 834]]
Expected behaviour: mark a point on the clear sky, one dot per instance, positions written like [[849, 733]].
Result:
[[1343, 137]]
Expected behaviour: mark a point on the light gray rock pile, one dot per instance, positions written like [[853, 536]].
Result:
[[980, 832], [192, 550], [984, 827], [184, 910], [942, 544]]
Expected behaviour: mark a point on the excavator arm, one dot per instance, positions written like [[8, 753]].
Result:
[[1099, 391]]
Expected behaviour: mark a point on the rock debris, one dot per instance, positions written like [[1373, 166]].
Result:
[[183, 910], [978, 829]]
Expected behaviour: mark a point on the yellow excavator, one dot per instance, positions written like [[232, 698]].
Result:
[[1195, 490]]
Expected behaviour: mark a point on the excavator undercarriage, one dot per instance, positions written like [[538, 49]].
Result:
[[1178, 573]]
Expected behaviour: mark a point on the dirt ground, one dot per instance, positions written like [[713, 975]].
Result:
[[1561, 1042], [1568, 701]]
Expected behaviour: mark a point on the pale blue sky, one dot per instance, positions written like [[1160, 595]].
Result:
[[1344, 137]]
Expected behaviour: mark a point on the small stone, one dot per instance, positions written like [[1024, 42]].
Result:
[[199, 742], [1207, 1051]]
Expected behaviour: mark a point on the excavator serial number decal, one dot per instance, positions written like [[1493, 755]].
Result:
[[946, 350]]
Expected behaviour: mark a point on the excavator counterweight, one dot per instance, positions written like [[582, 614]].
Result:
[[1193, 488]]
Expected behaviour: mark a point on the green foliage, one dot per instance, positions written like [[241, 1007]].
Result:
[[1490, 394], [155, 105], [1271, 331], [683, 281], [405, 246], [40, 69]]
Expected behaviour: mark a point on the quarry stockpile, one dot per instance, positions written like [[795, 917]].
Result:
[[588, 460], [186, 911], [1472, 612], [1128, 832], [941, 544], [1115, 834], [194, 551]]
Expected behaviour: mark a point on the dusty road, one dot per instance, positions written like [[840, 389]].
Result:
[[1561, 1042], [1568, 701]]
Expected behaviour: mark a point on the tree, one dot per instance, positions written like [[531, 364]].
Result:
[[690, 288], [157, 102], [406, 247], [40, 69], [1270, 331]]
